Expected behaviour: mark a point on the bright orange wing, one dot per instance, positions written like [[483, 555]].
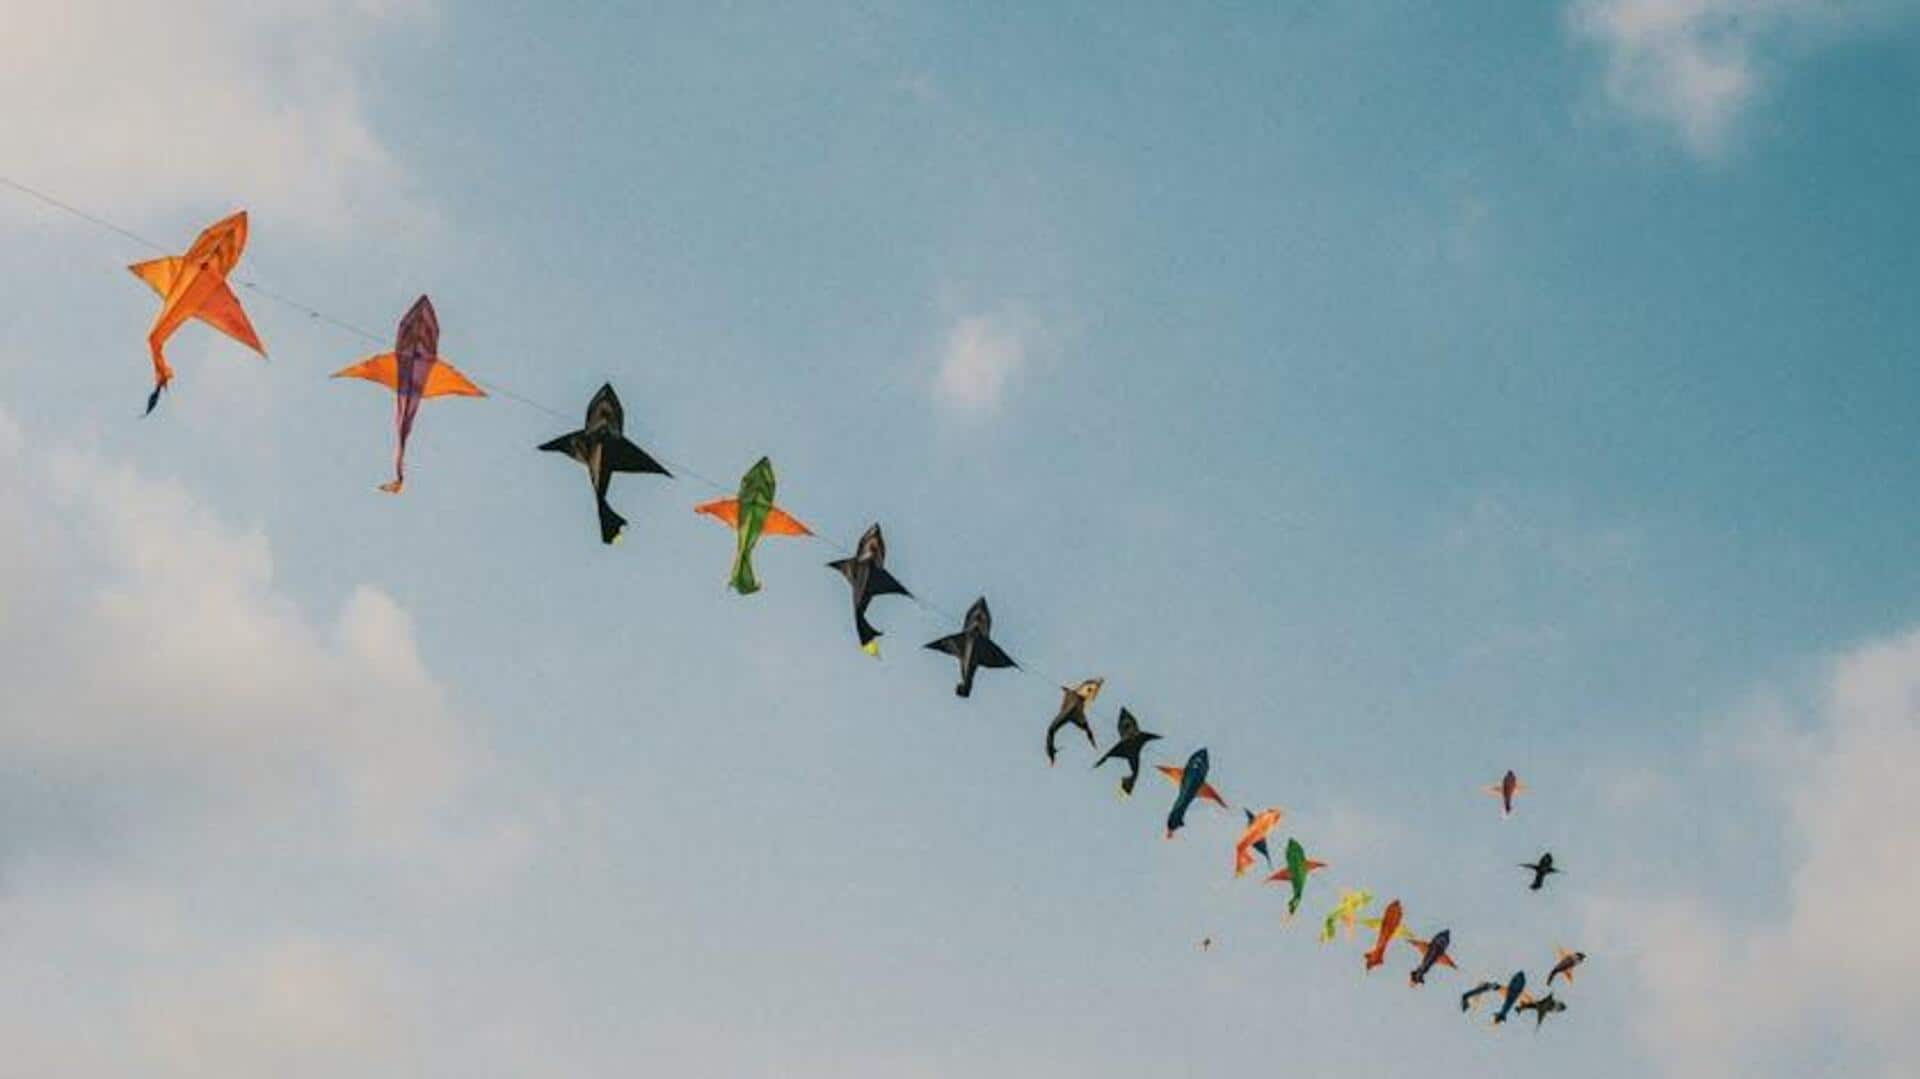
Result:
[[222, 311], [382, 369], [444, 381], [726, 509], [780, 523], [159, 274]]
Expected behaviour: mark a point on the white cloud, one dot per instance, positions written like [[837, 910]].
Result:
[[1837, 968], [213, 104], [1696, 66], [980, 356]]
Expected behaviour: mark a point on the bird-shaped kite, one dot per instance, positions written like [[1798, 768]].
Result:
[[603, 448], [973, 646], [194, 285], [867, 573], [1127, 749], [1073, 710], [1564, 962], [1389, 927], [414, 371], [751, 515], [1259, 845], [1346, 912], [1542, 869], [1516, 992]]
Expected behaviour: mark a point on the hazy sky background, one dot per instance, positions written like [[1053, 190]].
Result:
[[1381, 395]]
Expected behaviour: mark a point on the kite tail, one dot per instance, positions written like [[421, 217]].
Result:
[[611, 523], [1417, 978], [743, 581], [964, 689], [868, 634], [162, 374], [1126, 783]]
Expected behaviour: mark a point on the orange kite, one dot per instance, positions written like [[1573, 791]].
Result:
[[194, 285]]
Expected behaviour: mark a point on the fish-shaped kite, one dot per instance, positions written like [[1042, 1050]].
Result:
[[1516, 990], [1296, 871], [194, 285], [1389, 927], [1564, 962], [1504, 790], [1346, 912], [751, 515], [973, 646], [1192, 779], [1431, 952], [1073, 710], [1132, 741], [602, 446], [1258, 825], [414, 371], [867, 573]]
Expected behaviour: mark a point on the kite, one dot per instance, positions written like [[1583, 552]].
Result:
[[1192, 779], [414, 370], [1542, 869], [1516, 989], [1431, 952], [751, 515], [1504, 790], [1132, 741], [1255, 835], [1259, 845], [1345, 912], [867, 572], [194, 285], [1389, 926], [1565, 962], [1073, 709], [602, 446], [1174, 776], [1298, 868], [1540, 1008], [1471, 997], [973, 646]]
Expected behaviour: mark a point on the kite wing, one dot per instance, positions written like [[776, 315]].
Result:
[[725, 510], [624, 456], [443, 380], [222, 311], [384, 369], [882, 583], [159, 274], [950, 645], [780, 523], [988, 654]]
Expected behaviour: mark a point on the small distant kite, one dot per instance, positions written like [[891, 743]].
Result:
[[1516, 991], [1346, 912], [1472, 996], [1431, 952], [1388, 925], [1564, 962], [1504, 790], [414, 371], [1127, 749], [603, 448], [867, 573], [1541, 1008], [1258, 825], [1191, 780], [1073, 710], [752, 514], [194, 285], [1298, 868], [973, 646], [1542, 869], [1259, 845]]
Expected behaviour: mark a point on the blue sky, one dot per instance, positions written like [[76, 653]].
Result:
[[1380, 398]]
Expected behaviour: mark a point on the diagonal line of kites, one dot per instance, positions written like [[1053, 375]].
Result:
[[197, 285]]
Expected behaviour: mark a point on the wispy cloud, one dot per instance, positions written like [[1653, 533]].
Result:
[[140, 107], [981, 356], [1696, 66], [1726, 995]]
